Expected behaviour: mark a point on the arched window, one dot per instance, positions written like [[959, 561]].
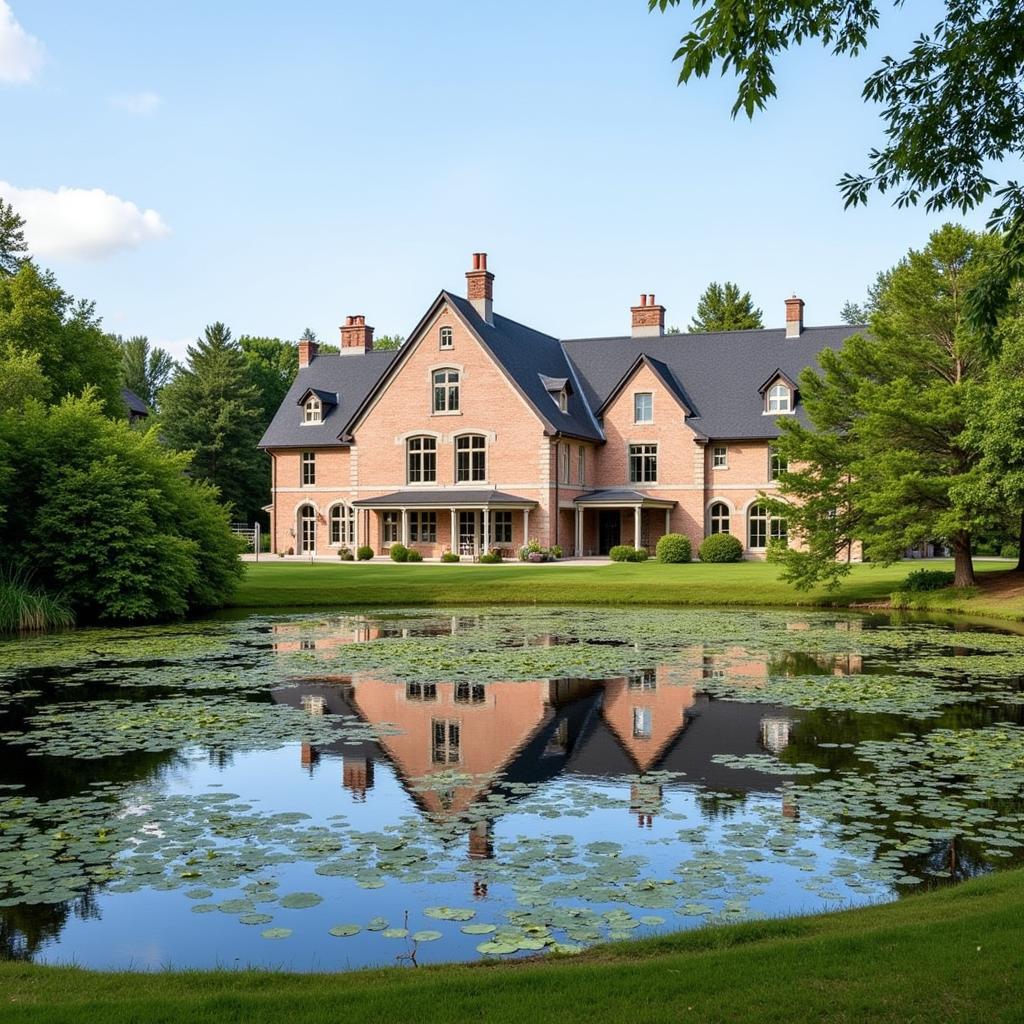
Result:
[[779, 398], [446, 338], [718, 516], [470, 458], [421, 460], [307, 529], [446, 390], [312, 411], [342, 524], [761, 527]]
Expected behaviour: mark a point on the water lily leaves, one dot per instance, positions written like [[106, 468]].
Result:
[[255, 919], [652, 920], [427, 935], [450, 913], [301, 900], [276, 933], [395, 933], [478, 929], [377, 924], [342, 931]]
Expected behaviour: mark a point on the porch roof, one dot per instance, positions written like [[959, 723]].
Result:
[[445, 498], [621, 497]]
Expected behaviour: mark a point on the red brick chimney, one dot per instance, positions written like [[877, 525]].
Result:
[[794, 317], [648, 318], [307, 352], [355, 335], [480, 287]]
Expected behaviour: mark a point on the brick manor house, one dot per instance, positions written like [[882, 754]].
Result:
[[480, 433]]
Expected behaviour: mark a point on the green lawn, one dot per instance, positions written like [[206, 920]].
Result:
[[278, 584], [952, 955]]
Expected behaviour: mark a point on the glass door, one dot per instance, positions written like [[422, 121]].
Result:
[[307, 530], [469, 523]]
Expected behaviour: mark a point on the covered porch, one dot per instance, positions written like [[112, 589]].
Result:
[[466, 522], [606, 518]]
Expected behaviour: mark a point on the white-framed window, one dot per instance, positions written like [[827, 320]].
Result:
[[642, 723], [501, 527], [390, 527], [776, 464], [447, 737], [309, 469], [313, 410], [780, 398], [720, 457], [718, 517], [581, 466], [643, 407], [470, 458], [342, 523], [446, 338], [643, 463], [423, 527], [446, 390], [564, 462], [421, 460], [762, 527], [563, 400]]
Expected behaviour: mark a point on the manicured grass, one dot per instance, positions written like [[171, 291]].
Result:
[[952, 955], [278, 584]]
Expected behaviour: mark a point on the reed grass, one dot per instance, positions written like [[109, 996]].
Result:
[[27, 608]]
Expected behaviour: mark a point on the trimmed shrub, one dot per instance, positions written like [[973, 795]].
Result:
[[721, 547], [345, 554], [364, 553], [412, 555], [491, 557], [921, 580], [399, 553], [450, 556], [627, 553], [674, 547]]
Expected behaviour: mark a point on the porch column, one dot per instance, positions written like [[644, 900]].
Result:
[[486, 514], [668, 520], [356, 516], [453, 540], [526, 526], [405, 527], [636, 526], [579, 532]]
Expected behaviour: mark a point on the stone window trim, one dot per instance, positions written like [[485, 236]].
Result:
[[421, 460], [341, 524], [778, 400], [718, 515], [720, 456], [445, 338], [642, 462], [312, 412], [474, 457], [763, 527], [643, 407], [432, 384], [307, 469]]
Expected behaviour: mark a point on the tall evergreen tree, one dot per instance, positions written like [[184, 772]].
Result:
[[723, 308], [13, 249], [145, 368], [212, 408], [886, 459]]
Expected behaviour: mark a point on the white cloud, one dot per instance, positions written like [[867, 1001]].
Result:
[[140, 103], [81, 223], [21, 55]]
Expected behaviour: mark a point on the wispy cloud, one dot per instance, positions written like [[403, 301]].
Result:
[[21, 55], [81, 223], [138, 103]]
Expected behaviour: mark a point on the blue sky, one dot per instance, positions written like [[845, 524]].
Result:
[[306, 161]]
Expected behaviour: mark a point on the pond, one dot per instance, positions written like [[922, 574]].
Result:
[[334, 791]]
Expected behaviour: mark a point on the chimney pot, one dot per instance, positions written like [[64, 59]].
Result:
[[480, 287], [307, 353], [356, 336], [648, 318]]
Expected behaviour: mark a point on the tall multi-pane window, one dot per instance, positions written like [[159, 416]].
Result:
[[312, 411], [581, 467], [720, 457], [447, 739], [423, 527], [470, 458], [776, 464], [643, 407], [779, 398], [719, 517], [563, 400], [446, 390], [643, 463], [642, 723], [390, 525], [762, 527], [421, 460], [308, 469], [446, 338], [342, 524], [564, 462], [501, 527]]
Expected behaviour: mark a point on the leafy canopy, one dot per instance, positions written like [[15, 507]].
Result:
[[273, 364], [145, 368], [723, 307]]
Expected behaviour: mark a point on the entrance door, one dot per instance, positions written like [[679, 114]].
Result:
[[468, 529], [307, 529], [609, 525]]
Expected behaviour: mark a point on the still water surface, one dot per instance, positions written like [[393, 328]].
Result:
[[329, 792]]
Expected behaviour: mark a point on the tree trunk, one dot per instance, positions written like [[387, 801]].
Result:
[[963, 567], [1020, 550]]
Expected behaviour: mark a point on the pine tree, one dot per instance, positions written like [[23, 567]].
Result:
[[723, 308], [145, 369], [13, 248], [273, 364]]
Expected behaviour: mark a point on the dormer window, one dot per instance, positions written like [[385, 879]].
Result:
[[446, 338], [780, 398], [313, 410], [563, 400]]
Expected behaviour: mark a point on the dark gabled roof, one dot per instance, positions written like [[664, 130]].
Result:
[[660, 370], [326, 397], [348, 377], [443, 497], [552, 385], [718, 373], [777, 374], [621, 496], [136, 406]]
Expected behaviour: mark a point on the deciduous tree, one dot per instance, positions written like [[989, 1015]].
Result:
[[145, 368]]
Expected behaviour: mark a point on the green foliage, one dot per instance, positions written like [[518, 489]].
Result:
[[364, 553], [388, 342], [857, 313], [108, 517], [413, 555], [777, 551], [450, 556], [38, 316], [674, 547], [25, 608], [212, 409], [273, 364], [921, 580], [721, 547], [627, 553], [885, 460], [21, 378], [398, 553], [345, 554], [491, 557], [145, 369], [13, 248], [723, 307]]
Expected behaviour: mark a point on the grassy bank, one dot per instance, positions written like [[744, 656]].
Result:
[[277, 584], [952, 955]]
